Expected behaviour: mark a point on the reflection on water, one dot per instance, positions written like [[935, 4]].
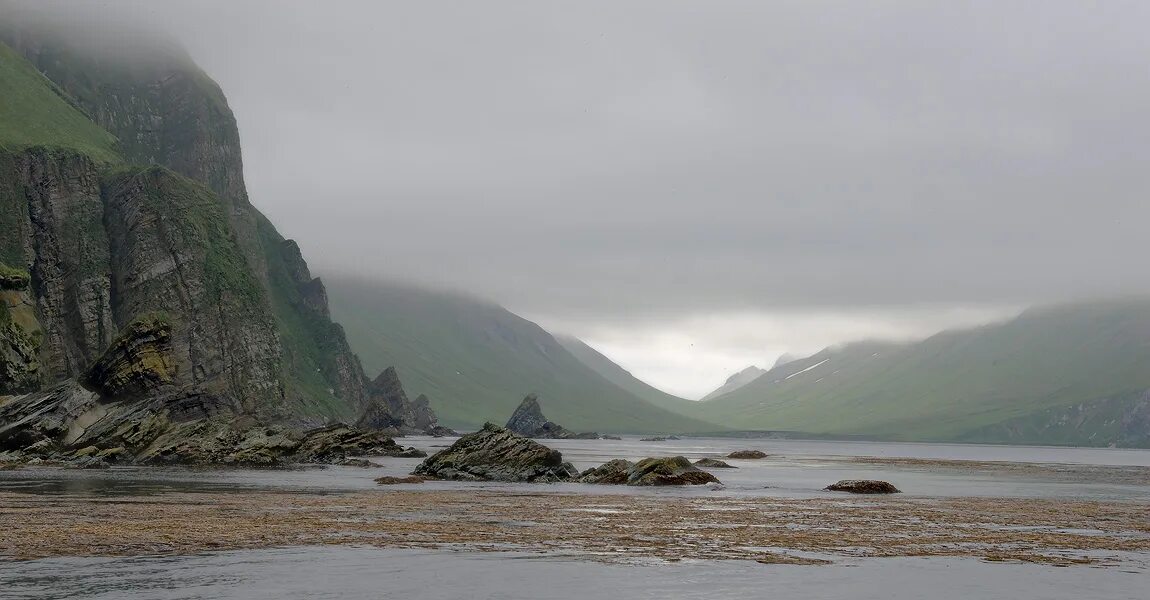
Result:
[[350, 573], [793, 469]]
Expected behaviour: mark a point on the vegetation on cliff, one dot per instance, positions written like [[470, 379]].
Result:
[[34, 112], [150, 277]]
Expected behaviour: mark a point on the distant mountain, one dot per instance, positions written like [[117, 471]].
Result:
[[1074, 374], [475, 361], [783, 359], [738, 380], [623, 378]]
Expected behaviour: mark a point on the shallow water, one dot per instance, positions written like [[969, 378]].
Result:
[[350, 573], [794, 469]]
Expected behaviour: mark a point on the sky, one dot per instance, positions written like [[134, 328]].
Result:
[[693, 187]]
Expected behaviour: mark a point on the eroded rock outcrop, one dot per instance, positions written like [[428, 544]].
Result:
[[528, 421], [748, 454], [495, 453], [674, 470], [139, 359], [612, 472], [20, 334], [389, 409]]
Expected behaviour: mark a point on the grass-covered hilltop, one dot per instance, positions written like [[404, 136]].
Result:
[[143, 296]]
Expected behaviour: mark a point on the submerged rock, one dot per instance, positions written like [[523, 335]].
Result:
[[713, 463], [610, 437], [653, 439], [528, 421], [614, 472], [397, 480], [748, 454], [495, 453], [863, 486], [675, 470]]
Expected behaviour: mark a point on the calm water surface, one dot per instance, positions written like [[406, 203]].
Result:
[[794, 469], [355, 573]]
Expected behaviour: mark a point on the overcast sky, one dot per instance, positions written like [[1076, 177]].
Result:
[[696, 186]]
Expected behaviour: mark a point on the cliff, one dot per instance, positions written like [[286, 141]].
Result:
[[139, 288]]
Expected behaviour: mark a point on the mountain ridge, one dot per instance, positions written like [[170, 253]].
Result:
[[475, 360], [738, 380], [1028, 380]]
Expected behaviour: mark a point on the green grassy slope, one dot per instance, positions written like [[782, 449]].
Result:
[[33, 113], [961, 385], [476, 361], [623, 378]]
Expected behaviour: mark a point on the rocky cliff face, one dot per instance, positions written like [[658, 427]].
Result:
[[165, 111], [144, 302]]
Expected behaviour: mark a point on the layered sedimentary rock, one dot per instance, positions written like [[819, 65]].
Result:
[[528, 420], [495, 453]]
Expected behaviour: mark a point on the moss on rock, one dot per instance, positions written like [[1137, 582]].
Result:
[[13, 279]]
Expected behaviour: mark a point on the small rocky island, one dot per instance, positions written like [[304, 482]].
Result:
[[528, 421], [496, 453], [863, 486], [748, 454]]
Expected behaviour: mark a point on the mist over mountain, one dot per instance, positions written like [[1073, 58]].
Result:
[[1066, 374], [740, 379], [476, 361]]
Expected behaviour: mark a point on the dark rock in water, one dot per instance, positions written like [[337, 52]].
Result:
[[397, 480], [749, 454], [412, 453], [713, 463], [610, 437], [356, 462], [863, 486], [495, 453], [528, 421], [653, 439], [675, 470], [614, 472], [673, 438]]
